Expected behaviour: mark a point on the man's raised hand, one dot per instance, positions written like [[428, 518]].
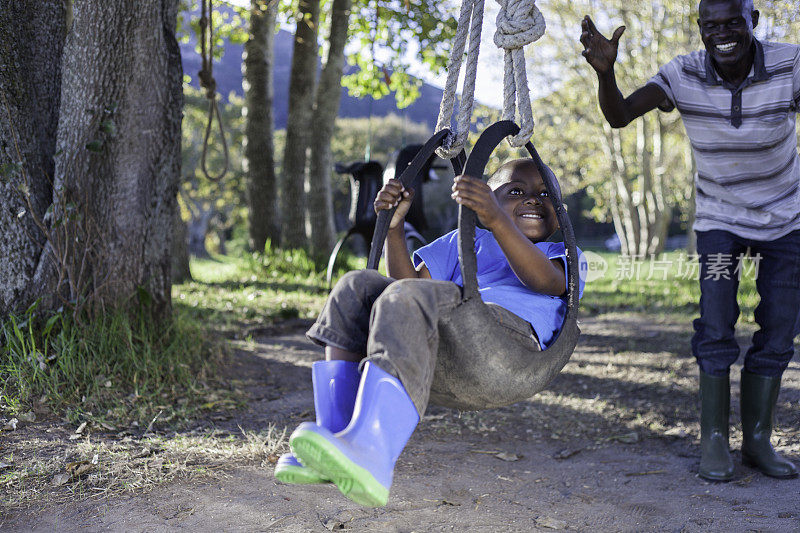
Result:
[[600, 53]]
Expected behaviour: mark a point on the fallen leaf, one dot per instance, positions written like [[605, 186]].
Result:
[[78, 468], [4, 465], [676, 432], [627, 438], [11, 425], [566, 453], [75, 436], [272, 458], [60, 479], [551, 523], [146, 451], [333, 525], [30, 416], [108, 426], [510, 457], [81, 428]]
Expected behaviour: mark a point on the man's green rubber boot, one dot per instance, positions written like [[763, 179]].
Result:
[[715, 456], [759, 394]]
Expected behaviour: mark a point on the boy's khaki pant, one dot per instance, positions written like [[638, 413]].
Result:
[[395, 324]]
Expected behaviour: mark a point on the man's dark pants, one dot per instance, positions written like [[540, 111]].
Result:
[[777, 314]]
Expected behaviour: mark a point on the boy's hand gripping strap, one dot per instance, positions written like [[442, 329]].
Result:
[[385, 216], [476, 164]]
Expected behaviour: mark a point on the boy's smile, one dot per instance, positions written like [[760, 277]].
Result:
[[524, 198]]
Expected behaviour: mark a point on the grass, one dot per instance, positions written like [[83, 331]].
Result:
[[665, 286], [101, 468], [236, 293], [116, 370]]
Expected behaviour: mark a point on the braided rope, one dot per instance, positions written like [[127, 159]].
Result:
[[519, 22], [470, 22]]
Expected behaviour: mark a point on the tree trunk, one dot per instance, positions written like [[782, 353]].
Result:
[[259, 149], [180, 250], [320, 197], [122, 89], [32, 37], [117, 159], [302, 83]]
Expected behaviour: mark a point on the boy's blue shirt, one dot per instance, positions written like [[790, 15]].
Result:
[[497, 283]]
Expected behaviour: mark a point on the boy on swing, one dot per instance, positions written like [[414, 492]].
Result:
[[388, 327]]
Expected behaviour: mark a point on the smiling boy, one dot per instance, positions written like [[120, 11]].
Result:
[[738, 99], [390, 326]]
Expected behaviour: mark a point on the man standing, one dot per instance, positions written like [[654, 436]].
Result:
[[738, 99]]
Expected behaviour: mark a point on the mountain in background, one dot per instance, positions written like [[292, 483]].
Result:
[[228, 73]]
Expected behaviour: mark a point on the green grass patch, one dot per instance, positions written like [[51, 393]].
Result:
[[117, 368], [234, 293], [665, 285]]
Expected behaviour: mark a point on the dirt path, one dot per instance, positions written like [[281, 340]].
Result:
[[610, 446]]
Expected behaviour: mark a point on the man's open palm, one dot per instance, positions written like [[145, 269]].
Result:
[[600, 53]]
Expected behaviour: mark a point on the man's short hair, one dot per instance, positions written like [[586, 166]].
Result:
[[747, 5]]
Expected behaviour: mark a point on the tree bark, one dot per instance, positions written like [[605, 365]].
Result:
[[259, 149], [121, 88], [320, 196], [180, 250], [32, 37], [109, 214], [302, 84]]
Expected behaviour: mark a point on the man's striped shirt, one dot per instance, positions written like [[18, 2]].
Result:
[[743, 138]]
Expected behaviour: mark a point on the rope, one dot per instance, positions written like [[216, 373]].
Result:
[[470, 22], [519, 22], [207, 82]]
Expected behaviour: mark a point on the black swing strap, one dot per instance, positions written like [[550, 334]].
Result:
[[475, 166], [385, 217]]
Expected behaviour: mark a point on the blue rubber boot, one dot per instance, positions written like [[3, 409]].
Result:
[[335, 386], [360, 459]]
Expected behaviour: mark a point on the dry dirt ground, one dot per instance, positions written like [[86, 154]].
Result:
[[610, 446]]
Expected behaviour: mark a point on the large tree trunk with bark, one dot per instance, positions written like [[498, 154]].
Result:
[[259, 149], [302, 85], [117, 156], [32, 37], [320, 196]]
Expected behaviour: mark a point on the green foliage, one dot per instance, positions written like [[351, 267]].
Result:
[[381, 32], [118, 367], [229, 25]]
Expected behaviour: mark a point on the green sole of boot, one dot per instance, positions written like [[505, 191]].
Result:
[[298, 475], [352, 480], [746, 461]]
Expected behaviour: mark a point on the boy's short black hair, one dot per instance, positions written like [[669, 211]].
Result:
[[502, 174]]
